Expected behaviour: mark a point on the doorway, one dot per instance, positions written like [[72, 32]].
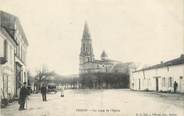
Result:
[[5, 85], [157, 84], [139, 84], [180, 84]]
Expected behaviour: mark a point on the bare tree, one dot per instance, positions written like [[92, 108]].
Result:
[[42, 74]]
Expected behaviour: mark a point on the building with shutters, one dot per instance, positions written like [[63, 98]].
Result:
[[160, 77], [13, 48]]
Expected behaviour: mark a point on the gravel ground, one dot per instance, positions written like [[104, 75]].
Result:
[[112, 102]]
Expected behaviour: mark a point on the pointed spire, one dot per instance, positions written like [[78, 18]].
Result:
[[86, 34], [104, 55], [86, 27]]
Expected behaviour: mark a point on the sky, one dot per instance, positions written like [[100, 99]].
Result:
[[141, 31]]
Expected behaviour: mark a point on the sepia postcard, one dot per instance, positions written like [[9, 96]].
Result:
[[92, 57]]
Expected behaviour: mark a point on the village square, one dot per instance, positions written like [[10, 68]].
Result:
[[79, 66]]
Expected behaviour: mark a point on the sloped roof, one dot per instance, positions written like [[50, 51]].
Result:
[[173, 62], [106, 61], [102, 62], [8, 22], [7, 35]]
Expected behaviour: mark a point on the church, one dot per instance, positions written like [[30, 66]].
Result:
[[88, 63]]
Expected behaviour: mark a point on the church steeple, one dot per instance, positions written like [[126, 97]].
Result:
[[86, 34], [86, 54]]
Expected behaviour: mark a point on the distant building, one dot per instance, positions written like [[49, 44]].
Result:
[[88, 63], [13, 47], [160, 77]]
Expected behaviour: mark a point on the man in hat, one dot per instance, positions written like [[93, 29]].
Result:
[[44, 92], [23, 95]]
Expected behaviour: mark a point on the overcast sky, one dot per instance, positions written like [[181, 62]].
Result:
[[142, 31]]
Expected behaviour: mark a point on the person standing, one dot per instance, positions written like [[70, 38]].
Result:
[[62, 91], [44, 92], [22, 97], [175, 86]]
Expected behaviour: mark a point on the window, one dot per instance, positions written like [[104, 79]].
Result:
[[25, 76], [11, 55], [18, 49], [6, 49], [83, 47], [5, 83], [24, 56], [168, 69], [21, 52], [170, 81], [163, 82]]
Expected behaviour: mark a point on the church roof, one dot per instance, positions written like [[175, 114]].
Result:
[[108, 61], [120, 67], [102, 62]]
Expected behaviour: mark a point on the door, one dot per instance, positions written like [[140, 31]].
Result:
[[5, 85], [18, 78], [180, 84], [157, 84], [139, 84]]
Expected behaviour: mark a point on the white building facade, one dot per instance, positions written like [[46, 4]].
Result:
[[160, 77], [7, 70], [13, 48], [20, 56]]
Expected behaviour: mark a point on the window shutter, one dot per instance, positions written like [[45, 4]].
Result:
[[6, 49]]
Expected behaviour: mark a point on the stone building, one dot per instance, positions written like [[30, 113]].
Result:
[[20, 56], [13, 48], [88, 63], [160, 77]]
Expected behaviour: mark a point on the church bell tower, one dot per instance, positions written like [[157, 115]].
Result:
[[86, 54]]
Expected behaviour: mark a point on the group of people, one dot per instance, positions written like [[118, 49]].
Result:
[[24, 92]]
